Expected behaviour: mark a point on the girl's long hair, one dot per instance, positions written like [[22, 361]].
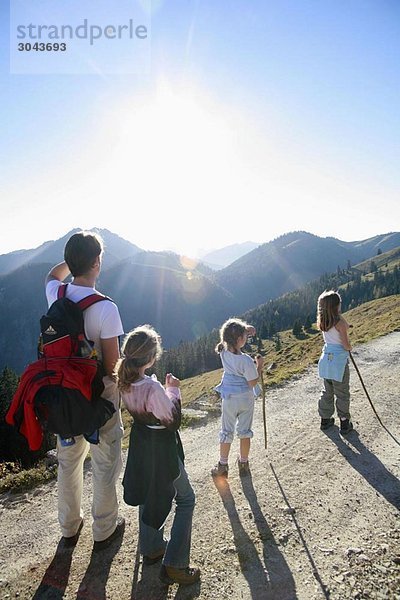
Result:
[[139, 347], [328, 310], [229, 334]]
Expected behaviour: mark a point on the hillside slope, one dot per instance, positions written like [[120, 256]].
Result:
[[290, 261], [177, 297], [318, 517]]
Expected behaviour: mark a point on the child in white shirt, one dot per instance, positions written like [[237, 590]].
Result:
[[237, 390]]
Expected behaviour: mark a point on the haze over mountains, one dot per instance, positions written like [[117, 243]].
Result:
[[182, 298], [218, 259]]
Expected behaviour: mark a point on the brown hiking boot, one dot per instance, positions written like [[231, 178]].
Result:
[[181, 576], [244, 468], [220, 470]]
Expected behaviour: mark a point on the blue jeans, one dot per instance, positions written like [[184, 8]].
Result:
[[177, 550]]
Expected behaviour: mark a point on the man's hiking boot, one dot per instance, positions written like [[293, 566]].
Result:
[[346, 426], [118, 532], [220, 470], [181, 576], [70, 542], [326, 423], [244, 468]]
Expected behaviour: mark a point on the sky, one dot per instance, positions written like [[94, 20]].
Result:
[[253, 119]]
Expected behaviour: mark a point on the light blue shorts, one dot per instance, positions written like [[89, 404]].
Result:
[[237, 412]]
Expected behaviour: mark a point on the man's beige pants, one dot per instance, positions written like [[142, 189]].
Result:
[[106, 467]]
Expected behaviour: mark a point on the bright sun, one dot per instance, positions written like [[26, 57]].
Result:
[[171, 163]]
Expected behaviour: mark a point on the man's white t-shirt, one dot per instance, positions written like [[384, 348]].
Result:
[[239, 364], [102, 321]]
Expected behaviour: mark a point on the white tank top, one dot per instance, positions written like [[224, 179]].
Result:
[[332, 336]]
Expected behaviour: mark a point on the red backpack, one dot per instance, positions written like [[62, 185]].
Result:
[[61, 391]]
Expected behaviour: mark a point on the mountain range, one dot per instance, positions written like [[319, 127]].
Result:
[[183, 299], [291, 260], [51, 252]]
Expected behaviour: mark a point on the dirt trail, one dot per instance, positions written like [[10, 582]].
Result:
[[317, 518]]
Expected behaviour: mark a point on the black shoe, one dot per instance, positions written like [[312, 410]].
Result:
[[118, 531], [346, 426], [70, 542], [326, 423]]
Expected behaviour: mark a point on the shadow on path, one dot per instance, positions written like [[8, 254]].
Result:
[[315, 572], [55, 579], [368, 465], [271, 578], [94, 582]]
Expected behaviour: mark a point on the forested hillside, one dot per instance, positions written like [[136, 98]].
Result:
[[372, 279], [290, 261]]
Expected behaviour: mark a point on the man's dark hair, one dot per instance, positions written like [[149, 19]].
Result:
[[81, 251]]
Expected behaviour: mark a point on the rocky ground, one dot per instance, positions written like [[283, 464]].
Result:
[[317, 518]]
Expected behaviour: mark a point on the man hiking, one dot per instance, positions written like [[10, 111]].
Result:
[[102, 324]]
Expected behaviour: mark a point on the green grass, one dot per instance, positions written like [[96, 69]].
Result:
[[370, 320], [26, 479], [385, 261]]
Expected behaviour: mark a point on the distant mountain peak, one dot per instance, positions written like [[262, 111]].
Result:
[[222, 257], [52, 251]]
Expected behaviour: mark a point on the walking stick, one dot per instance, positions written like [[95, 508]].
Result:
[[365, 389], [271, 366], [370, 401], [264, 410]]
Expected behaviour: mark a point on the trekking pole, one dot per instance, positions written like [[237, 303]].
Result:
[[370, 401], [264, 410], [264, 403], [365, 389]]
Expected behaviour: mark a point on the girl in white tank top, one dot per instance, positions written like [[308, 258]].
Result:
[[334, 330], [332, 336]]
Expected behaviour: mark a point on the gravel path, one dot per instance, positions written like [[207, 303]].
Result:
[[317, 518]]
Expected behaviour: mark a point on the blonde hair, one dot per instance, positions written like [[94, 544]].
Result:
[[328, 310], [140, 347], [229, 334]]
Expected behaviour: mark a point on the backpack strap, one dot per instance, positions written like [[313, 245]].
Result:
[[62, 290], [90, 300], [85, 302]]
